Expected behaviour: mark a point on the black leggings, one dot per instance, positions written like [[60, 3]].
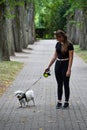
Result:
[[60, 74]]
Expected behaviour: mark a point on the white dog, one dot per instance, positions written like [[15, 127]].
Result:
[[24, 98]]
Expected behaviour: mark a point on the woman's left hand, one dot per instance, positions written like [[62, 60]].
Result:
[[68, 73]]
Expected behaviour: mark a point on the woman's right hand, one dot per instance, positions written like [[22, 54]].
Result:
[[47, 69]]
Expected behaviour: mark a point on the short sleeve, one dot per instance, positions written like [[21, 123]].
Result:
[[71, 46], [56, 45]]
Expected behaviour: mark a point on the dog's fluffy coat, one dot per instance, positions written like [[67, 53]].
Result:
[[24, 98]]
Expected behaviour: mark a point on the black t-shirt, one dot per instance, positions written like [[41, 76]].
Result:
[[62, 55]]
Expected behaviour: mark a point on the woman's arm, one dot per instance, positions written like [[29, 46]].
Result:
[[70, 63], [52, 60]]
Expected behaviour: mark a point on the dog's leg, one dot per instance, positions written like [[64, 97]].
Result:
[[26, 104], [20, 104], [33, 101]]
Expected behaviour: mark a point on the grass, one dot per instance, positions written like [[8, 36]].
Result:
[[81, 53], [8, 72]]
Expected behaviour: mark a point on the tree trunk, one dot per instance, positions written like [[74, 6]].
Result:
[[9, 34], [17, 31], [83, 30], [31, 22], [24, 22], [77, 31], [4, 50]]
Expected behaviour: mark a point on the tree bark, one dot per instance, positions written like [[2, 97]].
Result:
[[4, 50], [16, 34], [31, 23], [17, 30], [77, 31], [83, 30], [9, 33]]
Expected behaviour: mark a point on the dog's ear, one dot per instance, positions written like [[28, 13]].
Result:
[[18, 92], [15, 93]]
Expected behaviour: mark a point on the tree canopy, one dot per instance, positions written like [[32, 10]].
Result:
[[52, 14]]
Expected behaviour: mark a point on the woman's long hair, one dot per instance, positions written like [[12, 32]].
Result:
[[65, 42]]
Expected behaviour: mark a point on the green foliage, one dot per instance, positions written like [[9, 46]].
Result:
[[50, 15], [59, 21], [10, 5], [2, 1], [80, 4]]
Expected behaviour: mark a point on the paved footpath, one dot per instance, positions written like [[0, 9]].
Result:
[[44, 115]]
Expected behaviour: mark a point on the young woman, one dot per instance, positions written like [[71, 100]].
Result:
[[63, 56]]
